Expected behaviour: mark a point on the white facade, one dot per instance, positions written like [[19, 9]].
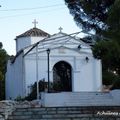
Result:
[[26, 41], [14, 78], [86, 73]]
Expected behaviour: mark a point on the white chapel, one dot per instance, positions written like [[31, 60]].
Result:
[[61, 59]]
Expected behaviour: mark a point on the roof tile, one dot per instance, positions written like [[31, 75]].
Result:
[[34, 32]]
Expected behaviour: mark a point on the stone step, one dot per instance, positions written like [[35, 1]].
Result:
[[82, 108], [59, 113], [89, 96], [49, 116], [51, 112], [89, 99], [88, 102]]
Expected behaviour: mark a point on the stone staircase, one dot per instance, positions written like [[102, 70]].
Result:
[[66, 113]]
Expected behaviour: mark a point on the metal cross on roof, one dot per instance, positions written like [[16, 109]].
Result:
[[35, 23], [60, 28]]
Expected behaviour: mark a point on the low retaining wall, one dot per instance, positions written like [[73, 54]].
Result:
[[81, 99], [8, 106]]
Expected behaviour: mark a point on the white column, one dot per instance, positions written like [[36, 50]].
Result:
[[37, 72]]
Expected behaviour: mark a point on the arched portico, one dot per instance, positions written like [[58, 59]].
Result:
[[62, 76]]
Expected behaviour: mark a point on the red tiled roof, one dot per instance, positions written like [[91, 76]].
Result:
[[35, 32]]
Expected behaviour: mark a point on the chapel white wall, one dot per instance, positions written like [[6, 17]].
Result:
[[23, 42], [86, 76], [89, 74], [14, 78]]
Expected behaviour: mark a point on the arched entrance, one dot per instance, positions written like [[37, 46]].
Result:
[[62, 77]]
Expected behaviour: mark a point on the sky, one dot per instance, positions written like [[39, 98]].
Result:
[[16, 17]]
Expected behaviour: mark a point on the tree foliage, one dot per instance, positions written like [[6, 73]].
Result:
[[113, 22], [114, 16], [90, 14], [109, 51], [3, 61], [103, 16]]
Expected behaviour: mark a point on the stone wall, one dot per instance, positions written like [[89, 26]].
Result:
[[8, 106]]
